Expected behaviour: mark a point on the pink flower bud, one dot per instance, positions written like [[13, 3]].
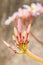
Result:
[[19, 25]]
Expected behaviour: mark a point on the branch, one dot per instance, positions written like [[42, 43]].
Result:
[[36, 38]]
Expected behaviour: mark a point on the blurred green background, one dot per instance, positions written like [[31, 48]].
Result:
[[7, 57]]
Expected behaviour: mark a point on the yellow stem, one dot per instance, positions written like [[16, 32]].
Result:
[[28, 53], [20, 52]]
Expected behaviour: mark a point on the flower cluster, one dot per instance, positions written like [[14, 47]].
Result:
[[21, 36], [26, 12], [21, 41]]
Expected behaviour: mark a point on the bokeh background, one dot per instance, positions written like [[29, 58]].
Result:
[[7, 57]]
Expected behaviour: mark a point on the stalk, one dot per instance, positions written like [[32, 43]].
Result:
[[36, 38], [28, 53]]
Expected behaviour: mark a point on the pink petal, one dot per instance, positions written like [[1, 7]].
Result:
[[40, 7], [14, 16], [19, 25], [41, 10], [39, 4], [25, 13], [20, 10]]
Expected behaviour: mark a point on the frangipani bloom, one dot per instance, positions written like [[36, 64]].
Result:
[[21, 41], [26, 12], [40, 7], [35, 9]]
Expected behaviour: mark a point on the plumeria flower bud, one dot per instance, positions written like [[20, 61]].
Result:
[[19, 25], [28, 29], [9, 46], [15, 31], [24, 33], [16, 35], [27, 32], [6, 43]]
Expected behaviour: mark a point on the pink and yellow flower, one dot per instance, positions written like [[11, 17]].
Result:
[[21, 41], [21, 37], [26, 12]]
